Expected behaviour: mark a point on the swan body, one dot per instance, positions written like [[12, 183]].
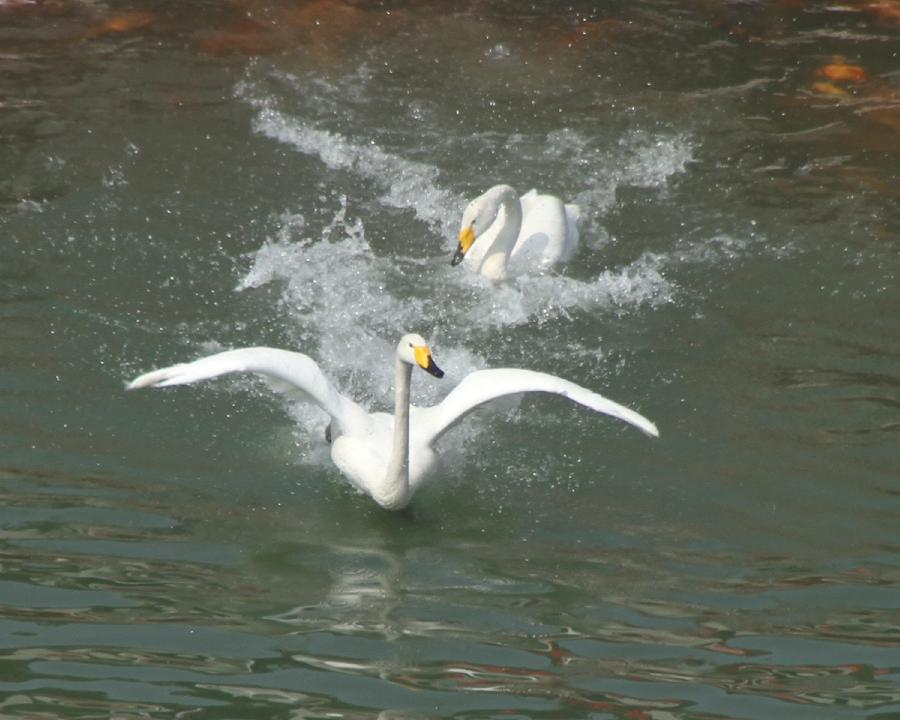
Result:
[[386, 456], [503, 234]]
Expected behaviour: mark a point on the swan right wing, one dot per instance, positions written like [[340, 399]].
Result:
[[293, 373], [544, 237], [527, 201], [482, 386]]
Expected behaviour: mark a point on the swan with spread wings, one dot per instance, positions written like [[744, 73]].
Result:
[[386, 456]]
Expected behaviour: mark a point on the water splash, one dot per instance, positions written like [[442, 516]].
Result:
[[338, 291], [413, 185], [337, 294], [405, 184]]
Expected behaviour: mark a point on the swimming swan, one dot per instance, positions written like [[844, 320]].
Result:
[[386, 456], [504, 234]]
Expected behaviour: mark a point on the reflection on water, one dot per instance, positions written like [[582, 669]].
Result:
[[117, 626], [190, 177]]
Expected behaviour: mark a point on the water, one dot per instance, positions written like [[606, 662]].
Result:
[[182, 178]]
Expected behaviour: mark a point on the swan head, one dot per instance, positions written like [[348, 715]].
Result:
[[413, 350], [479, 215]]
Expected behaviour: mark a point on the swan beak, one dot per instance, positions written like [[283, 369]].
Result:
[[426, 362], [466, 238]]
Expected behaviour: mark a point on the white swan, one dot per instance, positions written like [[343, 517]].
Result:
[[504, 234], [386, 456]]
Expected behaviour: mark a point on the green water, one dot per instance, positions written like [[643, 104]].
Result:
[[176, 179]]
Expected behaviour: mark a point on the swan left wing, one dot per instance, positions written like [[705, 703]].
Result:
[[482, 386], [292, 373]]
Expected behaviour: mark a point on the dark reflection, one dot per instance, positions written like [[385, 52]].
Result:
[[834, 377], [849, 685], [462, 624]]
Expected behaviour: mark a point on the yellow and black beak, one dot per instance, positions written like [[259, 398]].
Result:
[[426, 362], [466, 238]]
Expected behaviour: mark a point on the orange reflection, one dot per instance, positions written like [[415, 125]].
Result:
[[887, 11], [320, 28], [127, 22], [840, 71]]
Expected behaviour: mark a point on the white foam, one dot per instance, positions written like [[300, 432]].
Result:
[[335, 292], [341, 294], [406, 184], [637, 159], [653, 160], [338, 289], [551, 297], [593, 170], [26, 206]]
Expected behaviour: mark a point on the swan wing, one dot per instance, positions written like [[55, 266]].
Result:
[[545, 234], [482, 386], [527, 201], [292, 373]]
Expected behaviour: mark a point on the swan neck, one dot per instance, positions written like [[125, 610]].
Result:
[[509, 219], [397, 479], [510, 216]]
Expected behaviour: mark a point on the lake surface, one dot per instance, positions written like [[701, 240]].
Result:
[[180, 178]]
